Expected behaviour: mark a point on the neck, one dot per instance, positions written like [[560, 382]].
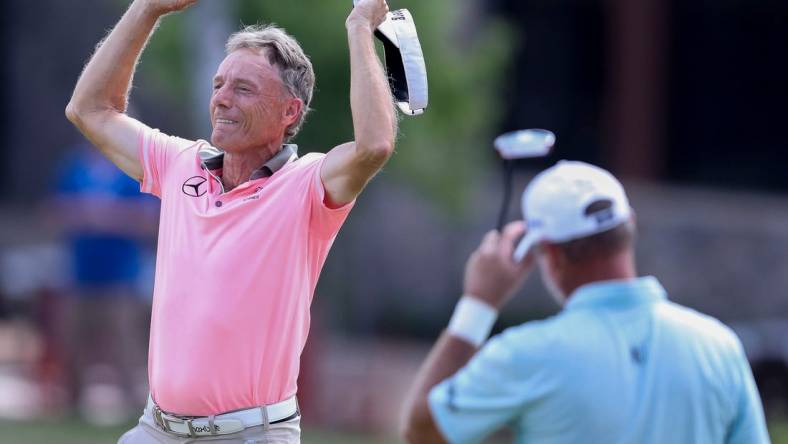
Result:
[[617, 267], [238, 166]]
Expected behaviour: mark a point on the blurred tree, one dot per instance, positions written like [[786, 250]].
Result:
[[438, 153], [164, 65]]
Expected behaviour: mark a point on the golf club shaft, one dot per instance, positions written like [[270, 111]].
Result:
[[508, 167]]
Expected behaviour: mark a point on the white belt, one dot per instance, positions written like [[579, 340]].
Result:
[[230, 422]]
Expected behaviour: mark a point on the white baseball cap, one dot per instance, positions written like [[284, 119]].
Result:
[[557, 204], [405, 66]]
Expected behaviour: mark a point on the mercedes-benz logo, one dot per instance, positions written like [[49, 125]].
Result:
[[194, 186]]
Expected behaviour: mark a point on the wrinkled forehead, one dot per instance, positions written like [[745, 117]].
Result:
[[248, 64]]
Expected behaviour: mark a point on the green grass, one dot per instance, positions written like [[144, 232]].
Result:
[[778, 430], [77, 432]]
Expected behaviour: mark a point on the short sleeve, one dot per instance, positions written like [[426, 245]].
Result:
[[324, 221], [156, 152], [748, 425], [493, 390]]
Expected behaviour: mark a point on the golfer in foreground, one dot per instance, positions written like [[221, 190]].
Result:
[[245, 225], [619, 364]]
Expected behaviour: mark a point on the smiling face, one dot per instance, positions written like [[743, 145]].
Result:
[[250, 106]]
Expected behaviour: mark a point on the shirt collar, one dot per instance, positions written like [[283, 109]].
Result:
[[212, 159], [622, 293]]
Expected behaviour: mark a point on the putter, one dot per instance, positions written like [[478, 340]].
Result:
[[522, 144]]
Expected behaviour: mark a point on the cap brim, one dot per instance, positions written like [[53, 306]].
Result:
[[530, 238], [405, 66]]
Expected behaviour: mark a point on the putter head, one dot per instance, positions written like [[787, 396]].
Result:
[[524, 144]]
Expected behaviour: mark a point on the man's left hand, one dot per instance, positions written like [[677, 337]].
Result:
[[368, 13], [490, 273]]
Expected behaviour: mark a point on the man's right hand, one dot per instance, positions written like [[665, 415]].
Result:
[[490, 273], [370, 13], [162, 7]]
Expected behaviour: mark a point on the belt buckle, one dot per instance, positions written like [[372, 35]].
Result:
[[164, 421]]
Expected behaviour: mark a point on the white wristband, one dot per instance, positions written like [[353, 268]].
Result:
[[472, 320]]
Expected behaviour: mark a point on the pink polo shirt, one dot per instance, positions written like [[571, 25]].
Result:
[[235, 275]]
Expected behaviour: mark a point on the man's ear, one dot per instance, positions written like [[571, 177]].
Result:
[[293, 109]]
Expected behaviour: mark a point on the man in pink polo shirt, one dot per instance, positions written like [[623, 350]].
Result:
[[246, 224]]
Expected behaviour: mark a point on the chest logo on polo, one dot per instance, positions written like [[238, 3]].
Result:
[[254, 196], [195, 186]]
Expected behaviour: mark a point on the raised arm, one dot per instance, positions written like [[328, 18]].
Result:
[[491, 278], [98, 104], [347, 168]]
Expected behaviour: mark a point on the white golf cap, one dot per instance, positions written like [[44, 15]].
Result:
[[405, 66], [571, 200]]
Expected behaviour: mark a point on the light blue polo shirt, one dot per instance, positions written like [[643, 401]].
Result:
[[619, 364]]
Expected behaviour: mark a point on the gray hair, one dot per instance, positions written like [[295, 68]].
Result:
[[284, 52]]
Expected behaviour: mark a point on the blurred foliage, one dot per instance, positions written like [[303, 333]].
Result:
[[439, 152], [164, 62]]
